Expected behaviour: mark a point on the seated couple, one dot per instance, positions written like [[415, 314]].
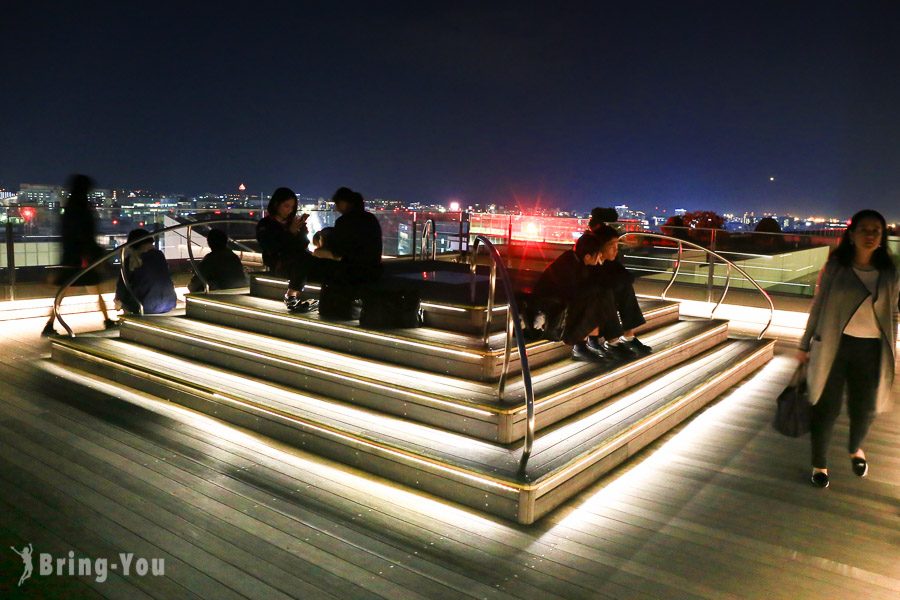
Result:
[[347, 256], [596, 296]]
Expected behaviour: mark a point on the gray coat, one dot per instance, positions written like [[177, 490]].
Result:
[[839, 294]]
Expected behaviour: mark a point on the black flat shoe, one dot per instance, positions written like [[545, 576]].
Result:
[[819, 479], [48, 331], [584, 354], [640, 346], [621, 351], [860, 467]]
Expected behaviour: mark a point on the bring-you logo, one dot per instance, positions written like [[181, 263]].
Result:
[[99, 568]]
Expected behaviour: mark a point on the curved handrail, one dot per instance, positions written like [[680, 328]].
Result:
[[714, 254], [429, 226], [121, 251], [513, 328]]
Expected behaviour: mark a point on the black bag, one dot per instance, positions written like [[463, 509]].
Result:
[[337, 303], [792, 416], [390, 309]]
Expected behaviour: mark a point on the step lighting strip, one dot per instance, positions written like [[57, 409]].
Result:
[[304, 366], [628, 368], [194, 389], [320, 325], [661, 414]]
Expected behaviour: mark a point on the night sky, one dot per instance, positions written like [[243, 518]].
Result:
[[670, 104]]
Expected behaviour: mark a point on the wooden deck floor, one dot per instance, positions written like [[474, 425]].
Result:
[[718, 509]]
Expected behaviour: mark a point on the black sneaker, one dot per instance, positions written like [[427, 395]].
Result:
[[621, 351], [819, 479], [860, 466], [48, 330], [641, 347], [583, 353], [596, 346], [292, 303]]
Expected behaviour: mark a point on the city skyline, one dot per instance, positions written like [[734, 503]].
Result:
[[727, 108]]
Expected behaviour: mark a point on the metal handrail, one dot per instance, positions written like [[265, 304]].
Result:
[[429, 225], [729, 264], [513, 328], [121, 251]]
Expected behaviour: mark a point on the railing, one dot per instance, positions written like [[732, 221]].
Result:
[[429, 225], [121, 251], [729, 265], [513, 328]]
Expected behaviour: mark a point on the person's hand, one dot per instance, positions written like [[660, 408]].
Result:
[[298, 225], [802, 357], [323, 253]]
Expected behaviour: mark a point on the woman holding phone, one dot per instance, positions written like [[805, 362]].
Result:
[[282, 235]]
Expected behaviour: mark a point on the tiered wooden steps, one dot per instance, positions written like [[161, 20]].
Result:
[[420, 406]]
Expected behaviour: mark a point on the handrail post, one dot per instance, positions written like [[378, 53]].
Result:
[[513, 329], [11, 259], [415, 220], [193, 262], [710, 276], [124, 277]]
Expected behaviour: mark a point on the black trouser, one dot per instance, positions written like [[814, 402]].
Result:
[[857, 367], [302, 267], [593, 307], [613, 275]]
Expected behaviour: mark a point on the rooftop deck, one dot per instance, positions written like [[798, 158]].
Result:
[[718, 508]]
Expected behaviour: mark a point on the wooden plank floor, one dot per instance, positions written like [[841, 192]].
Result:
[[718, 509]]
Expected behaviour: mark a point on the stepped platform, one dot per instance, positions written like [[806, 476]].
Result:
[[421, 406]]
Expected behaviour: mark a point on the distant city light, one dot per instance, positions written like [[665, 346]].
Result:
[[454, 206]]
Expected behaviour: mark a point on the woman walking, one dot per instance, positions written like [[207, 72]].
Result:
[[850, 339], [79, 244]]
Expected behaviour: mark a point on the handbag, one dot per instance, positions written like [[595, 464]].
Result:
[[792, 414], [390, 309]]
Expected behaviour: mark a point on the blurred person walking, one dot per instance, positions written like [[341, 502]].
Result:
[[79, 245]]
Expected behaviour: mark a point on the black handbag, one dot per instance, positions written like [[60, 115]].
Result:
[[337, 303], [792, 415], [390, 309]]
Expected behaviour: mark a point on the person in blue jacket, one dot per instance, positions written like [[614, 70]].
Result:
[[148, 276]]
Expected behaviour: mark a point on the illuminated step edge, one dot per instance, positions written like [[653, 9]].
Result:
[[450, 403], [451, 316], [438, 314], [515, 499], [428, 349]]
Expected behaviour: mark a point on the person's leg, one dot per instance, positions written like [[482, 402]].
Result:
[[825, 412], [95, 289], [862, 389]]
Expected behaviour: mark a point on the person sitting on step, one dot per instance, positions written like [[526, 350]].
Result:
[[612, 274], [569, 284], [282, 234], [351, 259], [148, 276], [221, 268]]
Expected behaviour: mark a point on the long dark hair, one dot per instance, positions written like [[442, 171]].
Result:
[[279, 196], [881, 258]]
